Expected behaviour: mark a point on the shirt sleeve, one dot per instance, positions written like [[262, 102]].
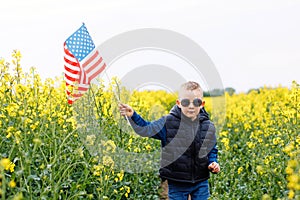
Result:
[[155, 129], [213, 155]]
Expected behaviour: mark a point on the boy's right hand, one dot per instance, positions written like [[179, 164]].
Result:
[[125, 110], [214, 167]]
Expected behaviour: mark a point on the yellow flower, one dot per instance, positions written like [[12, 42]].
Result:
[[110, 146], [225, 141], [289, 170], [268, 159], [120, 175], [5, 163], [251, 145], [293, 180], [289, 148], [291, 194], [90, 140], [12, 109], [2, 61], [9, 131], [277, 140], [148, 147], [240, 169], [137, 150], [17, 54], [127, 191], [298, 139], [292, 163], [97, 170], [266, 197], [247, 126], [37, 141], [12, 184], [107, 161], [18, 196], [79, 151], [223, 134], [259, 169]]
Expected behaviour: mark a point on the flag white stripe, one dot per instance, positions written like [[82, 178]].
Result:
[[81, 81], [89, 55], [92, 63], [72, 67], [96, 59], [72, 74], [94, 71], [84, 85], [68, 57], [70, 82]]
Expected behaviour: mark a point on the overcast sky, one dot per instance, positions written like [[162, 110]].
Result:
[[252, 43]]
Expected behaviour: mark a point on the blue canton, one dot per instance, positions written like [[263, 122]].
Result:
[[80, 43]]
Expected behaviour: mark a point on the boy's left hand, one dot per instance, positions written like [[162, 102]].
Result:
[[214, 167]]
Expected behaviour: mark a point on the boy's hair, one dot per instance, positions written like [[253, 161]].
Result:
[[190, 85]]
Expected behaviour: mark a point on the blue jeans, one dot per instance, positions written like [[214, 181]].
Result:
[[181, 191]]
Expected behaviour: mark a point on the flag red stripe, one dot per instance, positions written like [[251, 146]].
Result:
[[70, 82], [71, 70], [97, 72], [70, 101], [82, 76], [96, 64], [86, 63], [71, 62], [75, 95], [68, 92], [66, 50], [70, 78], [83, 89]]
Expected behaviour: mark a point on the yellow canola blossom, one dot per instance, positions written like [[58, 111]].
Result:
[[258, 140], [6, 164]]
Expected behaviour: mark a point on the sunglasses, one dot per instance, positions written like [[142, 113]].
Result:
[[186, 102]]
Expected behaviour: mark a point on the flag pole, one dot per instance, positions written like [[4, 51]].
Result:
[[117, 97]]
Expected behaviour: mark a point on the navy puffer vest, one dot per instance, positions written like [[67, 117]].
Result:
[[184, 157]]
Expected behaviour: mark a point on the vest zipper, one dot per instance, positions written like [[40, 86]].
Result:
[[192, 154]]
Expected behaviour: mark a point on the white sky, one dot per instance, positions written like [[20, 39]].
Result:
[[252, 43]]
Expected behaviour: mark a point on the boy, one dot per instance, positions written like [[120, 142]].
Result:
[[188, 143]]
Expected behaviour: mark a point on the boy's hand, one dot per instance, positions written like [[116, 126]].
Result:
[[125, 110], [214, 167]]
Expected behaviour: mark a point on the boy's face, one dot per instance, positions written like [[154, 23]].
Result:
[[186, 101]]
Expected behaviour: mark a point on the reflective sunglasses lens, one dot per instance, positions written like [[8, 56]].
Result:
[[185, 102], [197, 102]]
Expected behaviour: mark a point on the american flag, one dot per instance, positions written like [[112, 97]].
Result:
[[82, 63]]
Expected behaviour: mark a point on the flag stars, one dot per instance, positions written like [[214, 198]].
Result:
[[80, 43]]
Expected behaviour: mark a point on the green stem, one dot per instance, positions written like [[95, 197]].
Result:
[[3, 184], [65, 171]]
